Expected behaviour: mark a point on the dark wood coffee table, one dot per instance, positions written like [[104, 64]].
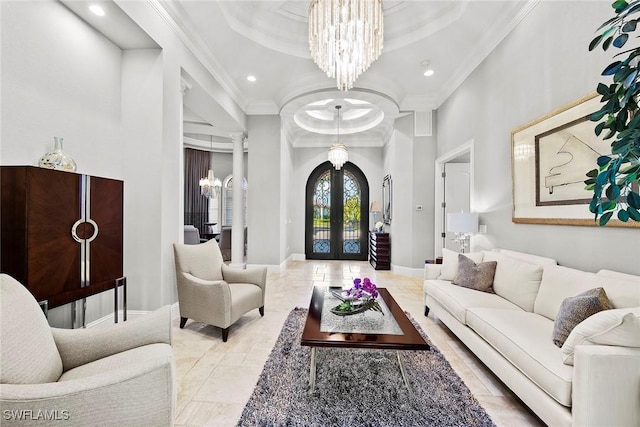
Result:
[[372, 330]]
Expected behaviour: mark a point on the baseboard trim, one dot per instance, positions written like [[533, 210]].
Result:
[[407, 271], [131, 314]]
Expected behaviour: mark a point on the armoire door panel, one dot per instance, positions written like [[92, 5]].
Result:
[[106, 201]]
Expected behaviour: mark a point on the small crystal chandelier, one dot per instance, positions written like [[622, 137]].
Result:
[[210, 186], [338, 154], [345, 37]]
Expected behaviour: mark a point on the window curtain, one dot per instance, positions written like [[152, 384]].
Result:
[[196, 206]]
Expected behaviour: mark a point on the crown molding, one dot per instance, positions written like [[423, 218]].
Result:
[[488, 43], [171, 13]]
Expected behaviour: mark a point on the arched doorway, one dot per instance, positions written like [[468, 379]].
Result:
[[336, 213]]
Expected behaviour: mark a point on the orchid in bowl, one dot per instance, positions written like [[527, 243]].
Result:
[[361, 297]]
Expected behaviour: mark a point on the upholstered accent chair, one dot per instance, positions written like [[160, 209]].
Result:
[[212, 292], [122, 374], [191, 235], [225, 242]]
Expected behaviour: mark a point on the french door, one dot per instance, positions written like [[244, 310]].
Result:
[[337, 214]]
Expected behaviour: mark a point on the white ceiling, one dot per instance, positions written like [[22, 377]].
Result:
[[269, 40]]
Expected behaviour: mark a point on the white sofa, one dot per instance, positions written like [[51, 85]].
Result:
[[511, 330]]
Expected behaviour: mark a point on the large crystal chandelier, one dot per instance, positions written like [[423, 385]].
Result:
[[338, 154], [345, 37]]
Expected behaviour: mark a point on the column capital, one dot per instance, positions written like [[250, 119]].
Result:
[[237, 136]]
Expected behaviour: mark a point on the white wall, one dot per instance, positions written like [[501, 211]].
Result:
[[410, 160], [61, 78], [264, 217], [542, 65]]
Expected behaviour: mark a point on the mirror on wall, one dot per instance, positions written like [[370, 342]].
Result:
[[386, 199]]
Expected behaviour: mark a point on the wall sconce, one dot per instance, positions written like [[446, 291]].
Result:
[[462, 224]]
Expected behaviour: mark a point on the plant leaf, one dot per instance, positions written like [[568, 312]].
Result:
[[612, 68], [630, 26], [633, 200], [620, 5], [630, 79], [595, 42], [604, 219], [613, 192], [603, 160], [623, 215], [633, 213], [621, 40]]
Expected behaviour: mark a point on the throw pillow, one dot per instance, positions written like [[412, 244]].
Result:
[[475, 276], [516, 281], [619, 327], [574, 310], [450, 263]]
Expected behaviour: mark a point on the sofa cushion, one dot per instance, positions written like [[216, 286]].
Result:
[[456, 299], [28, 353], [559, 283], [619, 327], [475, 276], [523, 339], [623, 290], [618, 275], [532, 259], [450, 263], [574, 310], [518, 281]]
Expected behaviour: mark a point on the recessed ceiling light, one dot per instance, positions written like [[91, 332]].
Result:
[[97, 10], [251, 78], [429, 72]]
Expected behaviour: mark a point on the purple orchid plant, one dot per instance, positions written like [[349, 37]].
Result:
[[363, 289], [360, 298]]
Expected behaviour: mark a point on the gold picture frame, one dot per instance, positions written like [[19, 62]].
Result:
[[550, 157]]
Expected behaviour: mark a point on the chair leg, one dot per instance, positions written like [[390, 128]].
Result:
[[426, 311], [183, 321], [225, 334], [261, 310]]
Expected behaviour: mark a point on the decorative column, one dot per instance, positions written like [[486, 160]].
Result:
[[237, 226]]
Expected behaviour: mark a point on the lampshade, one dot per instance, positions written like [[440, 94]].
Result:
[[375, 206], [462, 222]]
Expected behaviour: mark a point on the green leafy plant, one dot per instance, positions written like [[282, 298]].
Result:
[[615, 181]]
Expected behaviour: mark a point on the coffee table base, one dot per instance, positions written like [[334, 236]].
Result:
[[312, 372]]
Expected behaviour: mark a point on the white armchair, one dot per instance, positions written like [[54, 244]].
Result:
[[210, 291], [117, 375]]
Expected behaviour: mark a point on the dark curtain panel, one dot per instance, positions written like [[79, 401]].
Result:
[[196, 206]]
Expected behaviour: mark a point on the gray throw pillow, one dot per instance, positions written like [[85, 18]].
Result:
[[475, 276], [574, 310]]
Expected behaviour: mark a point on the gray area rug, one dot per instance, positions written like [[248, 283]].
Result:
[[357, 387]]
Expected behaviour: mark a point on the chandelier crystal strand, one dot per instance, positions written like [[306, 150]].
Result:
[[338, 154], [345, 37]]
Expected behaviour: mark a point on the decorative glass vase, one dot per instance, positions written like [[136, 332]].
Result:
[[57, 159]]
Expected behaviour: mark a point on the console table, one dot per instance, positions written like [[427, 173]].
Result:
[[379, 250]]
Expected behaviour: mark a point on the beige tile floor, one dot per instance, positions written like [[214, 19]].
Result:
[[216, 379]]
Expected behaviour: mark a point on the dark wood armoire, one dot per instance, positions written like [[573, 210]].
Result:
[[61, 232]]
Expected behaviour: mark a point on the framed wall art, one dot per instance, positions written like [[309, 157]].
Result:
[[550, 157]]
